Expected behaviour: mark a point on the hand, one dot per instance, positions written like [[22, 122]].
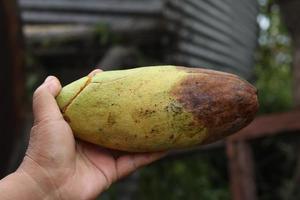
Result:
[[64, 168]]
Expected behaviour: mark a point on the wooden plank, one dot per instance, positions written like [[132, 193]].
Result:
[[296, 74], [241, 170], [270, 125], [263, 126], [11, 79]]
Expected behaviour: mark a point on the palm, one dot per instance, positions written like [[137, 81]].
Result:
[[104, 167], [79, 169]]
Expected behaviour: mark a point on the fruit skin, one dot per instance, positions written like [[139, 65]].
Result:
[[157, 108]]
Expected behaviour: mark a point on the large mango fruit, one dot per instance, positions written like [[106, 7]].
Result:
[[157, 108]]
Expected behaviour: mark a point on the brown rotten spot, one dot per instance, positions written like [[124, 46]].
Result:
[[222, 102]]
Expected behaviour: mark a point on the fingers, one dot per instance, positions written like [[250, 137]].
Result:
[[94, 72], [129, 163], [44, 103], [115, 168]]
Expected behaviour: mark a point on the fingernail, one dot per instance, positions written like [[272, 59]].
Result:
[[48, 79], [52, 85], [94, 72]]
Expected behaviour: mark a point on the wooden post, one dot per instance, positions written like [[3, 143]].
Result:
[[296, 72], [241, 170], [11, 79], [291, 15]]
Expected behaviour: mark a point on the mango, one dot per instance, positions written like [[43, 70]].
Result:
[[157, 108]]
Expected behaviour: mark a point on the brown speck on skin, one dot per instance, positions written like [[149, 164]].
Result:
[[171, 137], [222, 102], [143, 113], [173, 108], [111, 119], [153, 131]]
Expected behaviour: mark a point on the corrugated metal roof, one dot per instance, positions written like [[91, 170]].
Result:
[[214, 34], [94, 6], [219, 34], [119, 15]]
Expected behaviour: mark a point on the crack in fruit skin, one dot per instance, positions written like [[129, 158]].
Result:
[[157, 108], [78, 93]]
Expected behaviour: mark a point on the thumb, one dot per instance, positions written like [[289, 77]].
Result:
[[44, 103]]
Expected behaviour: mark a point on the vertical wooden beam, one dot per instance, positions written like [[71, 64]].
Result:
[[11, 79], [290, 10], [296, 72], [241, 170]]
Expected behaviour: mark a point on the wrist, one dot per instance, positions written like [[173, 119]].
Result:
[[20, 185]]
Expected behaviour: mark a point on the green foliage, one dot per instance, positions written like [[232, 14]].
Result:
[[190, 178], [104, 36], [273, 61], [276, 167], [32, 76], [197, 176]]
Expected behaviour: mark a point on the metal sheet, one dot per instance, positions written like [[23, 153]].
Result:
[[210, 33], [217, 34]]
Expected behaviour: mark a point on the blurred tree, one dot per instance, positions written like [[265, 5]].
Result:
[[198, 176], [273, 60]]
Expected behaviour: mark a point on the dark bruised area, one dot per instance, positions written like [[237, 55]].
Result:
[[222, 102]]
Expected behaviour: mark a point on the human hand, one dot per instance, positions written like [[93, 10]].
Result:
[[64, 168]]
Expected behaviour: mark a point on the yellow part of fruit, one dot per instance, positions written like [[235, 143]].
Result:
[[156, 108]]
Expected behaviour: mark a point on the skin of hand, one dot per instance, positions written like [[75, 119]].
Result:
[[56, 166]]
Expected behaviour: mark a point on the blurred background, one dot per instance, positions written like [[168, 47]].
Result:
[[257, 40]]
